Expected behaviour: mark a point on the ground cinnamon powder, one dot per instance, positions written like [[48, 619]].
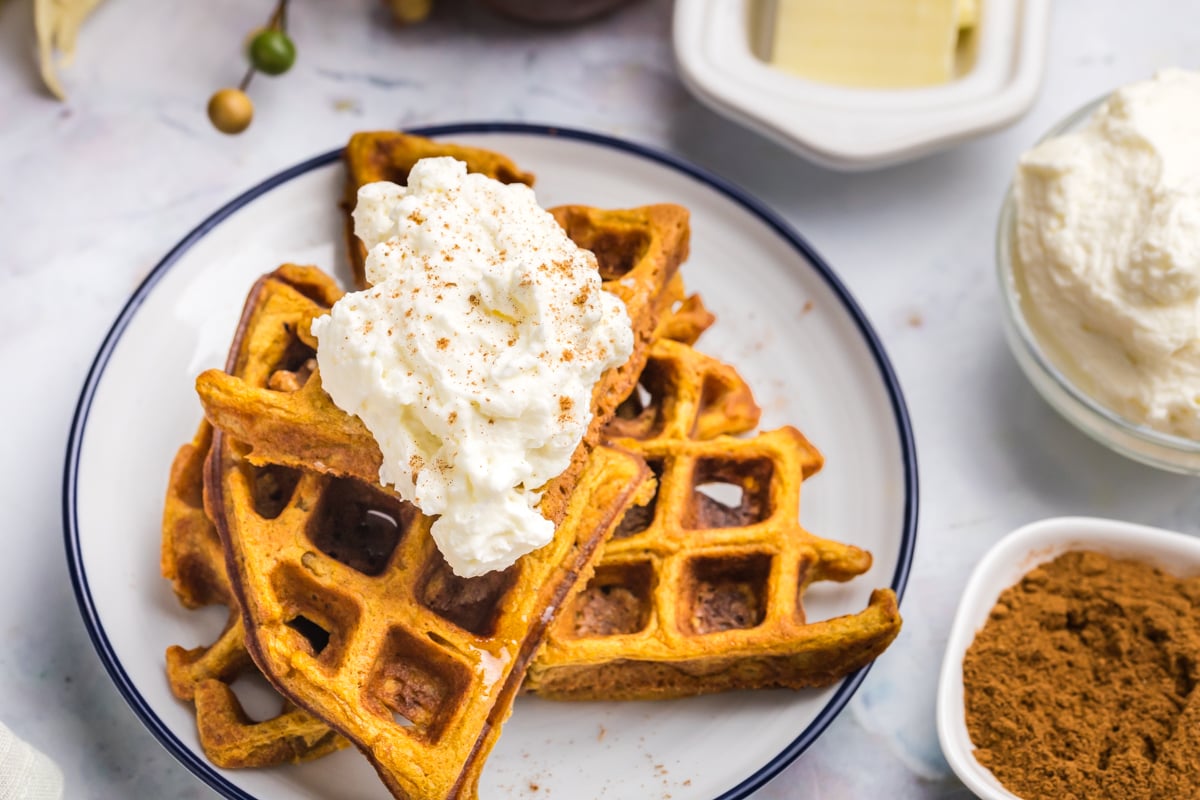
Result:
[[1080, 684]]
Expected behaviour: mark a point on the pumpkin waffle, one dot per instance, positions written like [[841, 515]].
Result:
[[351, 611], [347, 606], [388, 156], [695, 594]]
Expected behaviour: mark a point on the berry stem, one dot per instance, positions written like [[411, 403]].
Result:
[[279, 17]]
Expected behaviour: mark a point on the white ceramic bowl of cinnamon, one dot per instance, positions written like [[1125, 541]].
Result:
[[1004, 566]]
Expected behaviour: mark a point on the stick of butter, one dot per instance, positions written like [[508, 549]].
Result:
[[871, 43]]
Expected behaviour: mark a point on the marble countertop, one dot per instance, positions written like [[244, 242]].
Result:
[[97, 189]]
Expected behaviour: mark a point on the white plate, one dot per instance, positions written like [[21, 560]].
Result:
[[785, 321], [1003, 566], [852, 128]]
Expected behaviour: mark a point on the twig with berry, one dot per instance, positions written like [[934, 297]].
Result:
[[270, 51]]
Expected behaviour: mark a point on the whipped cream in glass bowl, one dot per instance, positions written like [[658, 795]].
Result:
[[1098, 252]]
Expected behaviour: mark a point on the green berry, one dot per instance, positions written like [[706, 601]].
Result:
[[272, 52]]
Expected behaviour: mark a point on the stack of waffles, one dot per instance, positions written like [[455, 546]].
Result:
[[336, 593]]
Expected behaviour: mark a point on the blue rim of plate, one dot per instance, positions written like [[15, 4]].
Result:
[[197, 763]]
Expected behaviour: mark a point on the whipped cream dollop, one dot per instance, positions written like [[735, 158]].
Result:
[[473, 356], [1108, 250]]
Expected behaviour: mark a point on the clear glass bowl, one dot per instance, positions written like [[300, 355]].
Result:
[[1125, 436]]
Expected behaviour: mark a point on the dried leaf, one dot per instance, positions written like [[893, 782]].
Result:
[[57, 23]]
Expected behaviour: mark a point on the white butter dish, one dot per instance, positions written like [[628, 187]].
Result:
[[851, 128]]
